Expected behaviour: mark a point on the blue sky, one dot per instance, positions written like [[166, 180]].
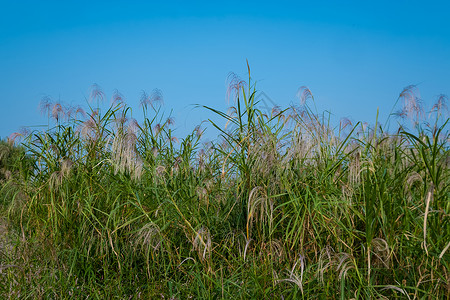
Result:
[[355, 56]]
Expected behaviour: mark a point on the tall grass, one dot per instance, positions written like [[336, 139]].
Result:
[[281, 204]]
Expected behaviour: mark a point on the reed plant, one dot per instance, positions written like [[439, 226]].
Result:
[[281, 205]]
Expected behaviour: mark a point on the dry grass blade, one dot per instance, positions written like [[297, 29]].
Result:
[[427, 209], [444, 250]]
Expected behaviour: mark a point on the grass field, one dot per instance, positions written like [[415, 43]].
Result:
[[283, 204]]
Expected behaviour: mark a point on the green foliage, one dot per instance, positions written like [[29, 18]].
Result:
[[14, 162], [280, 205]]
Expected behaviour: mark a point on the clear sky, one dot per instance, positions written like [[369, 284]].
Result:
[[355, 56]]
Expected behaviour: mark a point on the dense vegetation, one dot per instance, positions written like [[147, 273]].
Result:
[[281, 204]]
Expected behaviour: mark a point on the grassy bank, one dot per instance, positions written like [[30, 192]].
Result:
[[280, 204]]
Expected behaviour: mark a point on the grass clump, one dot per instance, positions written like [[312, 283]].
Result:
[[280, 205]]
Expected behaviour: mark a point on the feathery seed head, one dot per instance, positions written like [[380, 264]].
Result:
[[344, 123], [58, 112], [354, 168], [117, 98], [157, 129], [234, 85], [66, 167], [276, 110], [202, 243], [412, 179], [96, 93], [8, 174], [55, 180], [160, 171], [202, 195], [13, 136], [45, 105], [304, 93], [149, 236], [198, 131], [260, 206], [345, 262], [145, 99], [274, 249], [155, 152], [155, 97], [124, 153], [293, 275], [170, 121], [441, 104], [57, 177], [4, 151], [412, 105], [88, 128], [120, 122], [342, 261], [380, 249]]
